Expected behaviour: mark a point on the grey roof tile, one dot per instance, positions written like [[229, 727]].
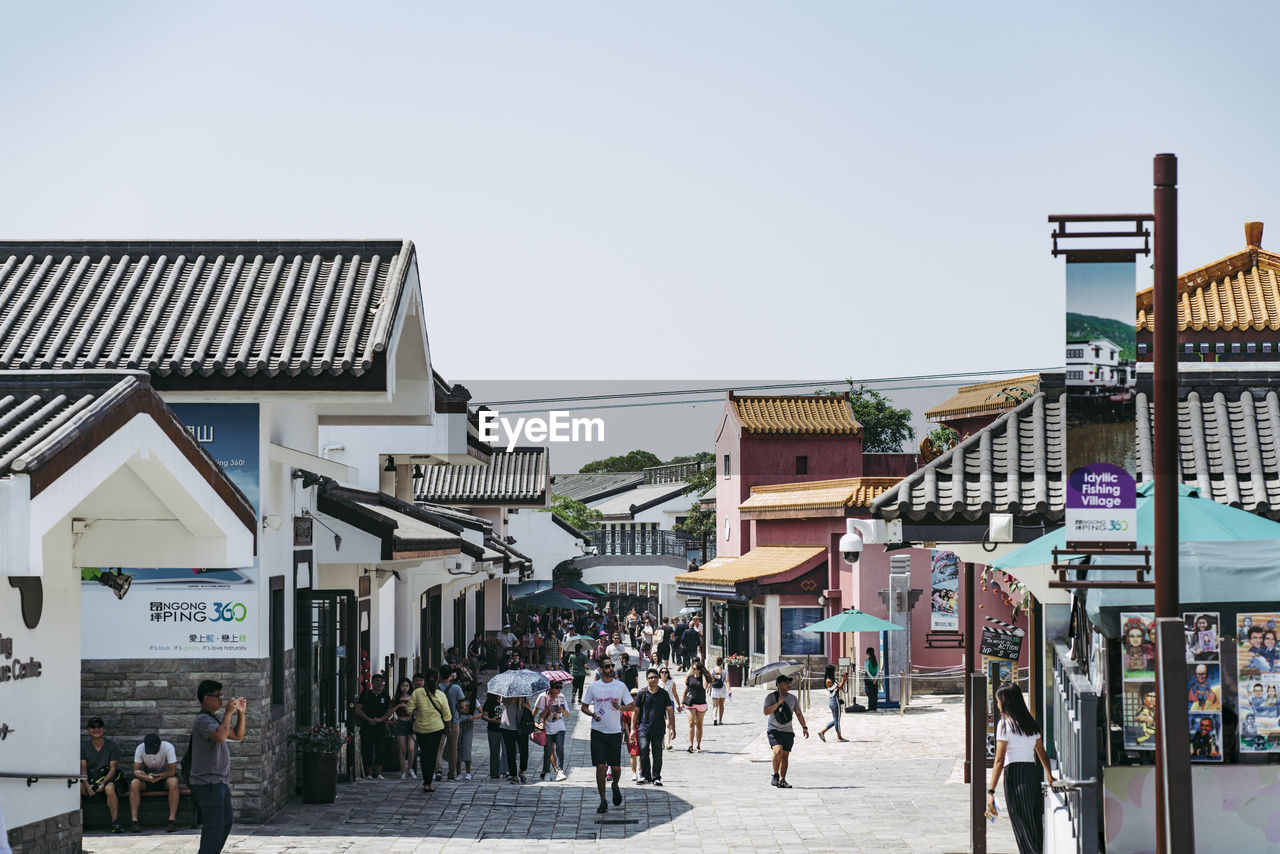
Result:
[[594, 486], [200, 308], [515, 477]]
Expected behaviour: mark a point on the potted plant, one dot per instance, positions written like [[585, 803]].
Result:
[[737, 664], [319, 748]]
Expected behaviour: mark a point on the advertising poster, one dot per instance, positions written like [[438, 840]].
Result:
[[945, 598], [1101, 505], [1258, 669], [1138, 696], [185, 612], [1202, 636], [999, 671], [1206, 737], [1204, 685]]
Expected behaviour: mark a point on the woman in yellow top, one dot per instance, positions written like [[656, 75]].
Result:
[[430, 709]]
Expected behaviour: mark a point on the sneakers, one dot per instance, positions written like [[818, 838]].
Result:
[[783, 784], [468, 777], [643, 781], [514, 780], [774, 781], [116, 828], [841, 738], [617, 796], [172, 828], [560, 777], [604, 807], [134, 827], [822, 735], [542, 778], [379, 777], [657, 781], [404, 776], [413, 775], [635, 776]]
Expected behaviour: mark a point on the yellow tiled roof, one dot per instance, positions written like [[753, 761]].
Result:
[[759, 563], [817, 494], [809, 413], [995, 396]]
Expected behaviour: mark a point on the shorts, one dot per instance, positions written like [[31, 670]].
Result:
[[606, 748], [157, 786], [697, 707], [720, 693], [785, 740]]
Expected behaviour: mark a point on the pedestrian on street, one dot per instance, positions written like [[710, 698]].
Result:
[[666, 683], [491, 714], [655, 713], [692, 642], [834, 701], [468, 713], [430, 709], [781, 707], [720, 691], [872, 680], [373, 710], [551, 711], [615, 651], [578, 670], [448, 755], [1018, 746], [695, 700], [664, 642], [211, 762], [605, 701], [506, 643], [403, 728], [515, 742]]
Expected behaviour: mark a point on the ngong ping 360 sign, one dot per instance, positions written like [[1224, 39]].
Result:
[[182, 621], [1102, 505]]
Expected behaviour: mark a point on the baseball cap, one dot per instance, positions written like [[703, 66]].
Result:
[[95, 722], [151, 743]]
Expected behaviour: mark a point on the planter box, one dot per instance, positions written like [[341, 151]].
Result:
[[319, 778], [735, 677]]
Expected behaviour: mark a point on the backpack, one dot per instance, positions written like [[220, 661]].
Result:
[[783, 714], [184, 767], [718, 681]]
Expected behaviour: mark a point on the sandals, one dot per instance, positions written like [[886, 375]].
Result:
[[691, 748], [427, 788]]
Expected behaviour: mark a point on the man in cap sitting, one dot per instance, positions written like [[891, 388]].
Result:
[[155, 769]]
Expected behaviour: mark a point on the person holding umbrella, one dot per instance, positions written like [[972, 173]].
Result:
[[515, 742], [605, 701]]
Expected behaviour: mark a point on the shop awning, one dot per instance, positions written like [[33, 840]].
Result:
[[738, 577]]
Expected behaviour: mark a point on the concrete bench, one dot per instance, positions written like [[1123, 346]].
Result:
[[153, 810]]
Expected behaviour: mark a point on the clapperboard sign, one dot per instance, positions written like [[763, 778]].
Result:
[[1001, 640]]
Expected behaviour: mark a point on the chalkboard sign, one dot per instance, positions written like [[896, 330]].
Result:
[[1000, 644]]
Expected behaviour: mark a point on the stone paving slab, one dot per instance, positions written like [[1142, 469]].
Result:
[[894, 788]]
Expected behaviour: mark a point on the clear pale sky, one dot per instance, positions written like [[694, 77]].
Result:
[[605, 191]]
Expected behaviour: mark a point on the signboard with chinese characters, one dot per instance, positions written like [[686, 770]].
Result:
[[185, 612]]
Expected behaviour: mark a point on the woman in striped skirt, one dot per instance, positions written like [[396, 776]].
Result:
[[1018, 746]]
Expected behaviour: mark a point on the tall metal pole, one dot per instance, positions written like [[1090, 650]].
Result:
[[975, 742], [1174, 828]]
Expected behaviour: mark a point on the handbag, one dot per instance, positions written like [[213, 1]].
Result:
[[539, 737]]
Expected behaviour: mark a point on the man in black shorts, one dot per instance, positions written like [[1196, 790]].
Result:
[[605, 701], [781, 707]]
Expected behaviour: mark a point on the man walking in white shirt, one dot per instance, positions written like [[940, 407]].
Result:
[[605, 701]]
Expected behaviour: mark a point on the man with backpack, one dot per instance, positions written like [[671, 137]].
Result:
[[780, 707], [210, 766]]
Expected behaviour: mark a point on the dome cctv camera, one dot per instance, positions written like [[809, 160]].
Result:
[[851, 546]]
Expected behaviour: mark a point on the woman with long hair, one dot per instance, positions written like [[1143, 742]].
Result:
[[834, 701], [695, 701], [872, 680], [403, 728], [1018, 747], [720, 691], [666, 683], [430, 709], [551, 711]]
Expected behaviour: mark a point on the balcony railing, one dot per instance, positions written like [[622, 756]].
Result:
[[657, 543]]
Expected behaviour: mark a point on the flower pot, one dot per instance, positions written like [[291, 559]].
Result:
[[319, 778], [735, 677]]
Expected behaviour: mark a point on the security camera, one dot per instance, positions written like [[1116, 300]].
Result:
[[859, 532], [851, 545]]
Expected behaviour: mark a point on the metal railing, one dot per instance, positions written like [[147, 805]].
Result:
[[614, 541], [1075, 735], [33, 777]]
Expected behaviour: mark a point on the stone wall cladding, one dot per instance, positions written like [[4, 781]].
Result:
[[137, 696], [54, 835]]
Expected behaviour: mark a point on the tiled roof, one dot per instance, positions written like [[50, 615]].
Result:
[[1013, 465], [818, 495], [515, 477], [830, 414], [63, 415], [1228, 449], [985, 398], [592, 487], [404, 529], [639, 498], [252, 309], [760, 563]]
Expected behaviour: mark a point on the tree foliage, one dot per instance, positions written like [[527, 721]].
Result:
[[885, 427], [576, 513], [633, 461], [566, 570], [700, 522]]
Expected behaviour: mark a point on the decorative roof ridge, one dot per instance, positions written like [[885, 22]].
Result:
[[1243, 261], [851, 482]]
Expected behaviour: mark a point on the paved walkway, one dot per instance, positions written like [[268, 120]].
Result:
[[895, 788]]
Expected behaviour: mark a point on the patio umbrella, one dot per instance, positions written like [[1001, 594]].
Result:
[[548, 599], [518, 683], [1200, 520], [577, 642], [770, 672], [582, 587], [853, 620], [558, 675], [576, 595]]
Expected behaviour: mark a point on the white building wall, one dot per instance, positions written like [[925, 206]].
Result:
[[542, 541]]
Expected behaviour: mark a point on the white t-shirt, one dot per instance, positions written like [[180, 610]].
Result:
[[615, 651], [156, 762], [506, 640], [598, 695], [1022, 748], [555, 721], [647, 632]]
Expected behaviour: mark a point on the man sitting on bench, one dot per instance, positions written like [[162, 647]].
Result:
[[155, 769]]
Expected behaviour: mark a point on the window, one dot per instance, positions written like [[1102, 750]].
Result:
[[1219, 347], [1252, 347], [757, 639], [277, 640], [802, 465], [1142, 349], [726, 465], [1266, 346], [1204, 348], [718, 624], [1075, 353], [796, 642], [1187, 348], [1235, 346], [1075, 375]]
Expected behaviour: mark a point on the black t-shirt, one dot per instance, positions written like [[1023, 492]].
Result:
[[629, 676], [492, 707], [98, 760], [695, 691], [374, 705], [651, 709]]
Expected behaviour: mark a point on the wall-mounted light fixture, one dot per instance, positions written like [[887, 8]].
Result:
[[391, 464], [272, 522], [117, 581]]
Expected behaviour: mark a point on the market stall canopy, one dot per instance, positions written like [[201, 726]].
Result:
[[582, 587], [853, 620], [548, 599]]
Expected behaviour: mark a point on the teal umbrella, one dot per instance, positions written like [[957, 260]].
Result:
[[853, 620], [548, 599], [1200, 520]]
